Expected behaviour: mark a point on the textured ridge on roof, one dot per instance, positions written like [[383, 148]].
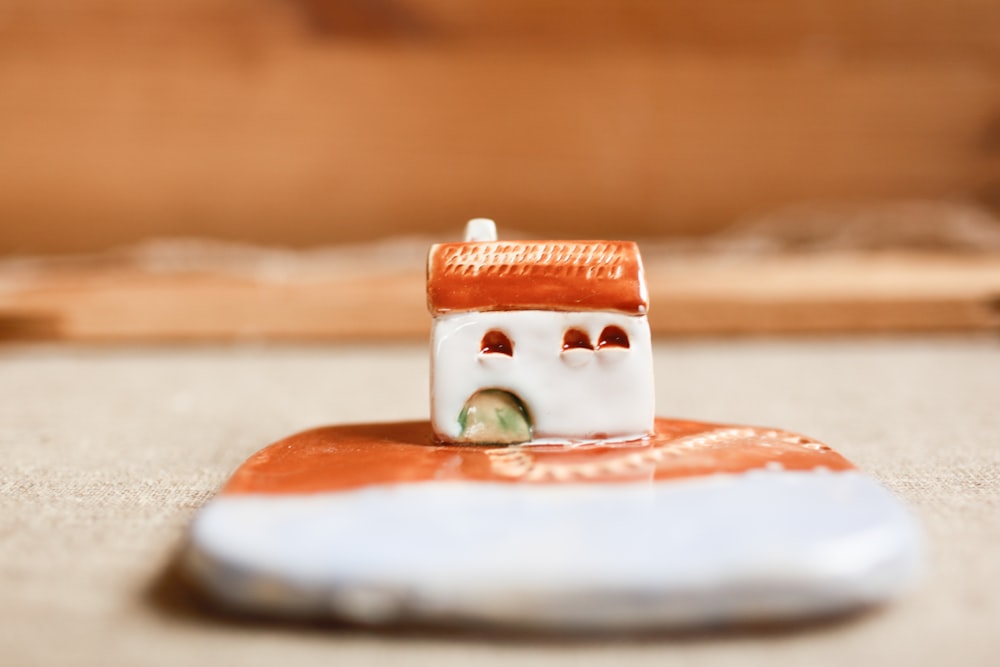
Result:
[[543, 275]]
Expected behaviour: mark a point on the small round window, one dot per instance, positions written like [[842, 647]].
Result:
[[613, 336], [496, 342], [575, 339]]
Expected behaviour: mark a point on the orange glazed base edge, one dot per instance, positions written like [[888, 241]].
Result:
[[340, 458]]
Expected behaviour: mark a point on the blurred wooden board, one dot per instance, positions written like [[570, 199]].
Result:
[[264, 121], [377, 292]]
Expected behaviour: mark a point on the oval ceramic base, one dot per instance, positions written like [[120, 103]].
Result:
[[700, 525]]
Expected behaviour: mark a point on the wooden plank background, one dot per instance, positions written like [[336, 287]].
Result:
[[301, 122], [183, 291]]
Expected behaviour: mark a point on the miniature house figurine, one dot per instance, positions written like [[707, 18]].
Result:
[[538, 341], [648, 524]]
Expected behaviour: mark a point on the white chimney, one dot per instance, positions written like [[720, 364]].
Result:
[[480, 230]]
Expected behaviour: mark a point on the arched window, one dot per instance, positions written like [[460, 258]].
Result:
[[496, 342], [576, 339], [613, 336]]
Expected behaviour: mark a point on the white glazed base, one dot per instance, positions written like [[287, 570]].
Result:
[[762, 546]]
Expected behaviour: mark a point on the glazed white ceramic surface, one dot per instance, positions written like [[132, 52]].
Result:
[[753, 547], [577, 394], [480, 230]]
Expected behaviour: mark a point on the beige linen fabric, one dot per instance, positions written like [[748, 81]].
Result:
[[107, 453]]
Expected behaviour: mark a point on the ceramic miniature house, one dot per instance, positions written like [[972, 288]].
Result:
[[653, 524], [538, 341]]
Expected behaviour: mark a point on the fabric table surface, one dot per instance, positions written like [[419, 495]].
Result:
[[108, 452]]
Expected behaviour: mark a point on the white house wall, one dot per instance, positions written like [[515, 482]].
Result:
[[582, 395]]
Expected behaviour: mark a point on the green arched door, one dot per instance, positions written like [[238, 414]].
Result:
[[494, 417]]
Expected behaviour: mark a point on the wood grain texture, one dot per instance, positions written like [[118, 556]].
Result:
[[378, 293], [316, 121]]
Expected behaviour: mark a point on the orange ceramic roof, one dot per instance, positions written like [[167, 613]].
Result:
[[536, 275]]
